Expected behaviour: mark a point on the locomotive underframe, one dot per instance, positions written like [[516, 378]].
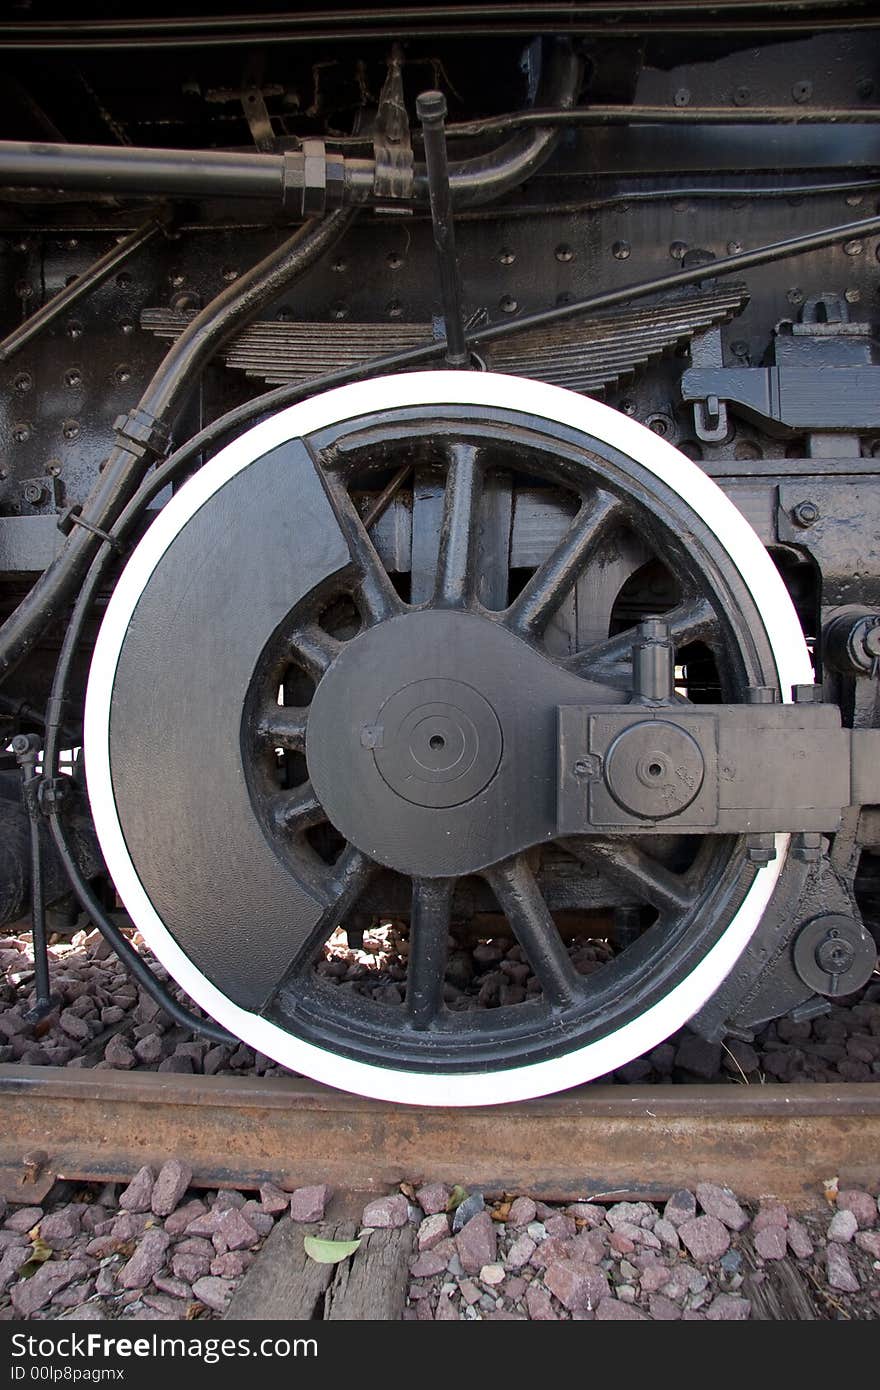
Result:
[[768, 379]]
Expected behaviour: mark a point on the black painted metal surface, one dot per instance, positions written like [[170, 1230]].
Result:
[[679, 156]]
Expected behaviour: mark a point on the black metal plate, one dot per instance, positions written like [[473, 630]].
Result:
[[197, 633]]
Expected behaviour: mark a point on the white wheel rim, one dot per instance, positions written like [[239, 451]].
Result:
[[348, 402]]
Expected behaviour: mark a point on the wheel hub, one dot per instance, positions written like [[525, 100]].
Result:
[[427, 773], [436, 742]]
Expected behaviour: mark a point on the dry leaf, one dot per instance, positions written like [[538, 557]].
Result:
[[456, 1197], [830, 1187], [40, 1253]]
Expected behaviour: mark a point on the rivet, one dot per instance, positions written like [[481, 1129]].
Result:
[[23, 382], [660, 424], [127, 327], [853, 248], [123, 279], [734, 248], [394, 310], [507, 257], [340, 311], [340, 265], [230, 273], [802, 91], [23, 289], [33, 493], [21, 432], [852, 295], [682, 97], [122, 374], [70, 429], [678, 250], [621, 250], [508, 304], [564, 253], [74, 329], [795, 295], [742, 96], [395, 260], [53, 468], [73, 377]]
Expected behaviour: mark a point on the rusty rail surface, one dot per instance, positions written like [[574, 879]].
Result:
[[103, 1125]]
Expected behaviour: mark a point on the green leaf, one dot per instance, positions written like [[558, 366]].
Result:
[[329, 1252], [456, 1198]]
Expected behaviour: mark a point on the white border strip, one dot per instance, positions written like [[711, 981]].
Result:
[[388, 394]]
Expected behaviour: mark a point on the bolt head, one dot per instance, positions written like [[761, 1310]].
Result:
[[805, 513], [834, 955]]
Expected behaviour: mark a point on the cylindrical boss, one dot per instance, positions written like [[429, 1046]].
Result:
[[653, 656]]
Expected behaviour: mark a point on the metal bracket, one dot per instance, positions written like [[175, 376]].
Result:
[[392, 148], [72, 516], [256, 113], [795, 394], [719, 769], [710, 415]]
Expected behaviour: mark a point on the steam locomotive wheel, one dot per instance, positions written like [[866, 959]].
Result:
[[290, 739]]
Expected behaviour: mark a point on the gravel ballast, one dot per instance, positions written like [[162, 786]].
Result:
[[93, 1253], [106, 1021]]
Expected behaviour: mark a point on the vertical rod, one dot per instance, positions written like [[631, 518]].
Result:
[[64, 299], [26, 749], [431, 109]]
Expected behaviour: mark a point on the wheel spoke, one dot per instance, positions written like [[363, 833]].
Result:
[[519, 898], [351, 874], [378, 595], [694, 620], [284, 726], [428, 945], [532, 610], [315, 649], [628, 865], [298, 809], [459, 532]]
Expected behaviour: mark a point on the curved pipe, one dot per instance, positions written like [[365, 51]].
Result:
[[211, 173], [175, 378]]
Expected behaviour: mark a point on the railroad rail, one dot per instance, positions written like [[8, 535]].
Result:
[[591, 1141]]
